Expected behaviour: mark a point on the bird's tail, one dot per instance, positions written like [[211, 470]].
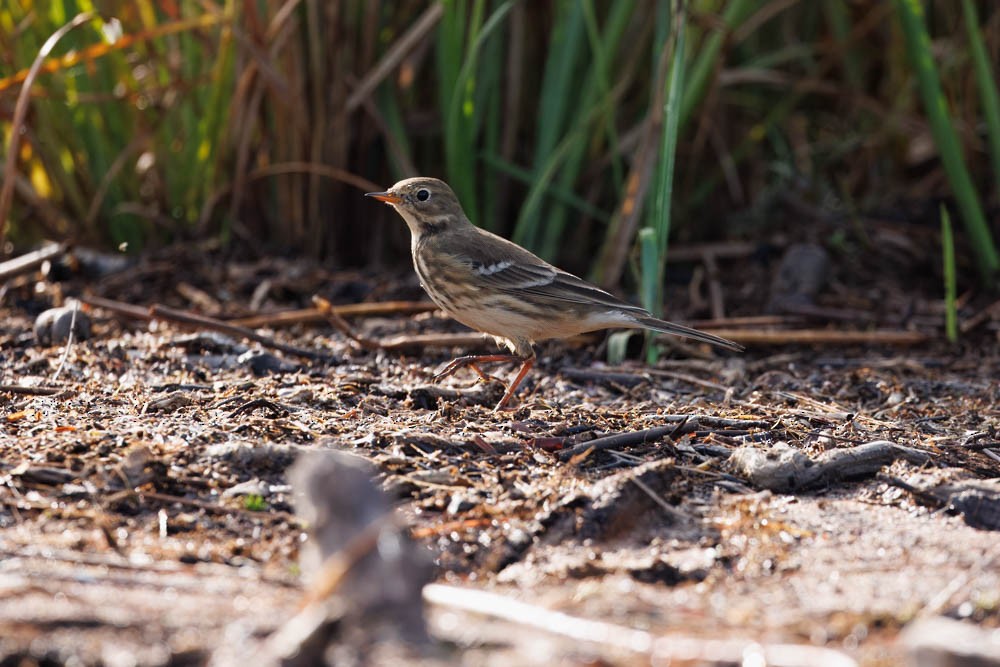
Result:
[[686, 332]]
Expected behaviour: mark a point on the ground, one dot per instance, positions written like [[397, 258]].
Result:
[[146, 515]]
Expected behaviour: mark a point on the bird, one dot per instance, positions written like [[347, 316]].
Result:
[[497, 287]]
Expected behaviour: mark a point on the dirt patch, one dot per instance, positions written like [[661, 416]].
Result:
[[145, 509]]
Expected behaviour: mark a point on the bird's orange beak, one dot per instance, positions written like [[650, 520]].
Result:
[[387, 197]]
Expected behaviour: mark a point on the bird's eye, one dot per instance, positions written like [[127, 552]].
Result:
[[423, 195]]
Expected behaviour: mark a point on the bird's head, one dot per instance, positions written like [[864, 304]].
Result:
[[427, 205]]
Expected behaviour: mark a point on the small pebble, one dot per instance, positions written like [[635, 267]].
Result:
[[52, 327]]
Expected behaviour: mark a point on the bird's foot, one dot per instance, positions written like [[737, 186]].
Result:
[[474, 360]]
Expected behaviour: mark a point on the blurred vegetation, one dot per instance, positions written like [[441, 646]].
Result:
[[259, 122]]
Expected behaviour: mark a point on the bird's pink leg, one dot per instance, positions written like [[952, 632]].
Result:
[[473, 360]]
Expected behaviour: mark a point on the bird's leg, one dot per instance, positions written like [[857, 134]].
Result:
[[474, 360], [528, 362]]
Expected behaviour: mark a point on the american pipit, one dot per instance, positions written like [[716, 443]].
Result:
[[497, 287]]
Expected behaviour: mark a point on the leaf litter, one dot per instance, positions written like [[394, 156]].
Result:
[[146, 508]]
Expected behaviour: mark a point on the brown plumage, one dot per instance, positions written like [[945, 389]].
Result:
[[495, 286]]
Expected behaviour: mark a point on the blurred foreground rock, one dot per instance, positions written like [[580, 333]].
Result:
[[363, 576]]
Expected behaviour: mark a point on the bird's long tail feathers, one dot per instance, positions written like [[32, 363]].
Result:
[[686, 332]]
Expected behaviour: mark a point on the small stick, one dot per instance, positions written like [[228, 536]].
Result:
[[989, 312], [822, 337], [118, 308], [661, 649], [396, 343], [161, 312], [30, 261], [668, 509], [29, 391], [158, 311], [314, 315], [718, 422], [747, 321], [341, 325], [682, 424], [618, 440]]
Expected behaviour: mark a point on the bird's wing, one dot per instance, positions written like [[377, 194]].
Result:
[[504, 266], [568, 288]]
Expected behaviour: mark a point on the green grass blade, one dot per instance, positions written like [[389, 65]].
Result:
[[597, 95], [950, 288], [658, 223], [659, 217], [668, 150], [563, 195], [706, 63], [918, 44], [560, 86], [594, 106], [604, 47], [461, 115], [650, 285], [987, 86]]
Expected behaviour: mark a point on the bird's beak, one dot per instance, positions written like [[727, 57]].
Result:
[[387, 197]]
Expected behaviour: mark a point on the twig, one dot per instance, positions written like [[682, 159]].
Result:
[[29, 391], [822, 337], [748, 321], [341, 325], [161, 312], [662, 650], [397, 343], [618, 440], [118, 308], [625, 377], [30, 261], [274, 410], [690, 379], [315, 315], [988, 313], [680, 425]]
